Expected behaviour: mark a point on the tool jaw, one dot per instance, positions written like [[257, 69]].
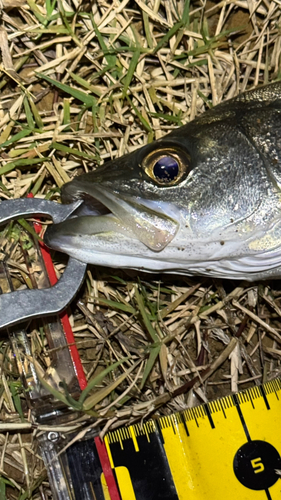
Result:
[[23, 305]]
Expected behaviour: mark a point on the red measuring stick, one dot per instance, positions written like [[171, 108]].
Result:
[[63, 316], [106, 468]]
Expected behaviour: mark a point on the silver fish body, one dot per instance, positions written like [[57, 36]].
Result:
[[204, 200]]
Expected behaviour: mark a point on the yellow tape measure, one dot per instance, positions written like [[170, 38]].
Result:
[[228, 449]]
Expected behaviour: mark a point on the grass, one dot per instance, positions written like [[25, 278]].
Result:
[[79, 87]]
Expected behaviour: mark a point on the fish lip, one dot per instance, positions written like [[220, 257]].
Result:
[[143, 219], [93, 204], [90, 206]]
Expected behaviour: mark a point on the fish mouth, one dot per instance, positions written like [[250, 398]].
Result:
[[106, 212], [121, 231]]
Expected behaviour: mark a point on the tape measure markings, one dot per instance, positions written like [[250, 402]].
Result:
[[264, 397], [148, 468], [272, 386], [174, 448], [146, 433], [107, 441], [241, 416], [256, 456], [185, 427], [133, 435], [209, 415], [226, 449]]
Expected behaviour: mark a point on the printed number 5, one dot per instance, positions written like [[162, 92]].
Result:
[[257, 465]]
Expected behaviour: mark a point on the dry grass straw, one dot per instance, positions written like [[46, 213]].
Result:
[[83, 82]]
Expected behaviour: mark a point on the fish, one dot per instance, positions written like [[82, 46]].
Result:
[[203, 200]]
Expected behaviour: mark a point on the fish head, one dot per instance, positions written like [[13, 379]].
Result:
[[205, 199]]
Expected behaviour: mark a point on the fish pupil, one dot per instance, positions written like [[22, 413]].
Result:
[[166, 169]]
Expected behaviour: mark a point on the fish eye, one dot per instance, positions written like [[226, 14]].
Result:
[[166, 169], [166, 166]]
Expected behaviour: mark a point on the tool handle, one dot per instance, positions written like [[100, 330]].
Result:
[[26, 304], [24, 207]]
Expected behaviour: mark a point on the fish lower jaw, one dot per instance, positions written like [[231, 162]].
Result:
[[130, 254]]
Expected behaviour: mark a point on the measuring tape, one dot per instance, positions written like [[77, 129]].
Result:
[[228, 449]]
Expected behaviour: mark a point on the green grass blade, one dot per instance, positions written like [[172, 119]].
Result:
[[154, 352], [6, 190], [167, 37], [36, 11], [205, 99], [84, 83], [50, 5], [36, 114], [140, 117], [73, 151], [38, 184], [77, 94], [185, 14], [57, 394], [116, 305], [25, 162], [29, 228], [102, 72], [17, 137], [105, 391], [110, 57], [29, 116], [3, 489], [131, 70], [96, 380], [147, 30], [66, 114], [144, 315], [14, 386]]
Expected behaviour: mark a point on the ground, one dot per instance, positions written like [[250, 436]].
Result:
[[84, 82]]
